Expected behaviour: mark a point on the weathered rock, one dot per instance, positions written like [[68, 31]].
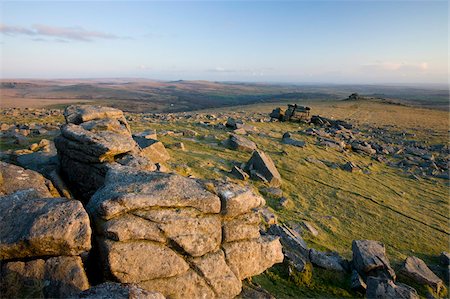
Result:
[[125, 261], [287, 139], [60, 185], [218, 275], [251, 257], [350, 167], [236, 200], [445, 258], [129, 190], [186, 285], [268, 217], [34, 226], [327, 260], [204, 234], [181, 227], [369, 259], [114, 290], [242, 227], [14, 178], [233, 123], [239, 173], [240, 143], [77, 114], [364, 148], [56, 277], [385, 288], [290, 239], [178, 146], [148, 134], [92, 147], [417, 270], [153, 149], [263, 164], [278, 113], [310, 228], [130, 227], [272, 192], [357, 283], [251, 291], [43, 161]]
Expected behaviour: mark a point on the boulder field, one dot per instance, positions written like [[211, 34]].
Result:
[[156, 234]]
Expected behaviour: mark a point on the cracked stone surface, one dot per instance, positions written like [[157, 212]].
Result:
[[170, 234]]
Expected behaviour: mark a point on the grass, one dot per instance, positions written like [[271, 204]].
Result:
[[410, 216], [382, 203]]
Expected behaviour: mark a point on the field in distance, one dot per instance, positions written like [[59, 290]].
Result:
[[142, 95]]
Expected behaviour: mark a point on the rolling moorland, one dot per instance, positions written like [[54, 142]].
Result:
[[397, 195]]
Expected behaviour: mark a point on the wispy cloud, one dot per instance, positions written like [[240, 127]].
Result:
[[252, 72], [396, 66], [39, 32]]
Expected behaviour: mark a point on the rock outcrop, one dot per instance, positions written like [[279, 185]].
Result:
[[14, 178], [199, 239], [42, 240], [94, 140]]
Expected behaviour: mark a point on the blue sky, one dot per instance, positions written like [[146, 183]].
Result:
[[295, 41]]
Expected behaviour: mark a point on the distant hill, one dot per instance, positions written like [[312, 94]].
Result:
[[142, 95]]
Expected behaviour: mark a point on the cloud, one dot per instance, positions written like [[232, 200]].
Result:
[[40, 31], [253, 72], [396, 66]]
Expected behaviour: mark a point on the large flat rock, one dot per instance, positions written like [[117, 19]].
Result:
[[131, 190], [33, 227], [114, 290], [92, 147], [14, 178]]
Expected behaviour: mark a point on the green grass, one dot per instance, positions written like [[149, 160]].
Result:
[[410, 216]]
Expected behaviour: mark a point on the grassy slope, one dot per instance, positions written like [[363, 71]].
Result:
[[409, 216], [386, 205]]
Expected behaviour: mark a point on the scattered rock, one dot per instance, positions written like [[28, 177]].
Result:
[[369, 259], [351, 167], [445, 258], [385, 288], [153, 149], [264, 166], [417, 270], [239, 173], [287, 139], [240, 143], [327, 260], [357, 283], [310, 228]]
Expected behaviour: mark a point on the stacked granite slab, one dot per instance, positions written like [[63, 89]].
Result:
[[179, 236], [43, 239], [94, 139]]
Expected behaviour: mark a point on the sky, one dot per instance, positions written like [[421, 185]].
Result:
[[351, 42]]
